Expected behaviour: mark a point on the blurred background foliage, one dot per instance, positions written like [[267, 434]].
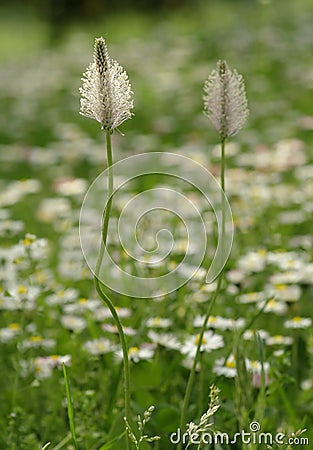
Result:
[[58, 16], [269, 41], [168, 48]]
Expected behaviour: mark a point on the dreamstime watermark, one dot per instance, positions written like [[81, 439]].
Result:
[[138, 258], [253, 436]]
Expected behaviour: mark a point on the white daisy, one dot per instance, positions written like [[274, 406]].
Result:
[[298, 322], [278, 339], [225, 367], [210, 342], [168, 340], [99, 346], [158, 322], [249, 335], [73, 323], [144, 352]]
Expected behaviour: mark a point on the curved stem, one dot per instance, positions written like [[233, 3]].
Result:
[[192, 374], [100, 286], [110, 305]]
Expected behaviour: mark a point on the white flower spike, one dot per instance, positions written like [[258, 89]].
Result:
[[106, 94], [225, 101]]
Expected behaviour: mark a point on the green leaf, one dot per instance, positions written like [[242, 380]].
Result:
[[109, 444], [165, 417], [61, 444], [70, 410]]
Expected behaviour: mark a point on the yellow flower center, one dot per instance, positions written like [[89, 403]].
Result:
[[198, 339], [297, 319], [22, 289], [133, 350], [100, 346], [231, 364], [26, 242], [281, 287], [254, 364], [156, 321], [35, 339], [272, 302]]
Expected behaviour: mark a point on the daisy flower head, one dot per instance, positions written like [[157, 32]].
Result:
[[220, 323], [278, 339], [273, 306], [144, 352], [106, 94], [256, 366], [44, 365], [298, 322], [167, 340], [224, 367], [99, 346], [250, 335], [10, 332], [210, 342], [158, 322], [73, 323]]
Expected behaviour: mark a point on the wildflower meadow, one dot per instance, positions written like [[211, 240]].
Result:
[[156, 200]]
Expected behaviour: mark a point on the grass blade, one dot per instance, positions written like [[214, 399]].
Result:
[[46, 446], [70, 410], [109, 444], [61, 444]]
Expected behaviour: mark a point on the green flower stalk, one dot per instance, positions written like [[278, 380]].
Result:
[[106, 96], [225, 104]]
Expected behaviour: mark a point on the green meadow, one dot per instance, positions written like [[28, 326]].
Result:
[[258, 344]]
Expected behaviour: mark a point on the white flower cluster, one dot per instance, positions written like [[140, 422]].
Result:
[[225, 101], [106, 94]]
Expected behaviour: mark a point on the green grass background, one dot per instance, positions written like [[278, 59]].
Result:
[[167, 55]]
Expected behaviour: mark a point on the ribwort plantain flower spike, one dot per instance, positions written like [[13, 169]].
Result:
[[226, 105], [106, 94], [225, 101]]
